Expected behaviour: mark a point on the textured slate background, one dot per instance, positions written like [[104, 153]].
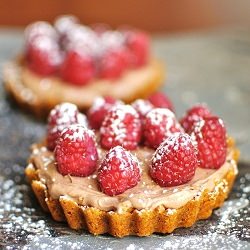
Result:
[[211, 67]]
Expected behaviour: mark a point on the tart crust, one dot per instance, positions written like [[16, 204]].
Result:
[[37, 98], [133, 222]]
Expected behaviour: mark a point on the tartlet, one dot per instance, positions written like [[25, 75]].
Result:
[[142, 209], [38, 87]]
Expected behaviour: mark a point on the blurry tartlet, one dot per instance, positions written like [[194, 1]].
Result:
[[70, 62]]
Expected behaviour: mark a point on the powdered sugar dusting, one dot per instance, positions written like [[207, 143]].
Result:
[[66, 112], [172, 143], [116, 130], [174, 161], [159, 124], [62, 116], [118, 172], [112, 40], [99, 102], [76, 132], [142, 106], [49, 47], [161, 115], [65, 22], [83, 40], [175, 144], [18, 215], [39, 29], [197, 129], [125, 157], [157, 115], [82, 120]]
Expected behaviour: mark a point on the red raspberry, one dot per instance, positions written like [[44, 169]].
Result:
[[114, 42], [194, 114], [174, 161], [39, 29], [126, 56], [61, 116], [100, 28], [82, 39], [159, 123], [121, 126], [160, 100], [210, 135], [78, 68], [111, 65], [119, 171], [99, 110], [76, 152], [142, 107], [138, 43], [43, 55], [65, 23]]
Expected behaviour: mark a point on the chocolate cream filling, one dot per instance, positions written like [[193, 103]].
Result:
[[145, 195], [48, 89]]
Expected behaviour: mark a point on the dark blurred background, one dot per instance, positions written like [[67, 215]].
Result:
[[151, 15]]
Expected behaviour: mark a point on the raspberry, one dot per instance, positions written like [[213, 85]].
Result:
[[193, 115], [160, 100], [174, 161], [99, 110], [76, 152], [121, 126], [126, 57], [210, 135], [100, 28], [142, 107], [43, 55], [39, 29], [78, 68], [138, 43], [111, 65], [159, 123], [118, 172], [64, 23], [114, 42], [80, 38], [82, 120], [61, 116], [111, 40]]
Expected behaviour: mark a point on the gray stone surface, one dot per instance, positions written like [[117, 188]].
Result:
[[210, 67]]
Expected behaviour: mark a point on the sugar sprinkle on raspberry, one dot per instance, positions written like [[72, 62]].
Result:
[[61, 116], [76, 153], [121, 126], [142, 107], [174, 161], [65, 113], [194, 114], [99, 110], [78, 132], [43, 55], [39, 28], [159, 123], [119, 171], [210, 135]]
